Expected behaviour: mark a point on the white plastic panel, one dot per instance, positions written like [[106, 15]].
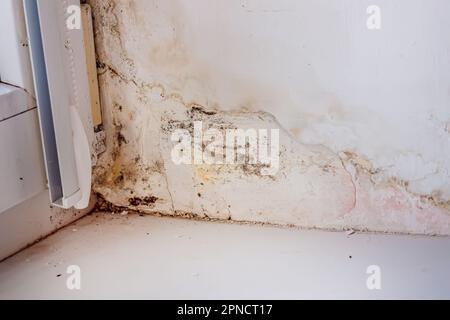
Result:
[[15, 67], [22, 173], [63, 98], [13, 101]]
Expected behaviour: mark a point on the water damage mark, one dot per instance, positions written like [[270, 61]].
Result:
[[114, 175], [105, 206], [364, 167], [221, 120]]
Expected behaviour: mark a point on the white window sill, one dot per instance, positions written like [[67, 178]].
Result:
[[14, 101]]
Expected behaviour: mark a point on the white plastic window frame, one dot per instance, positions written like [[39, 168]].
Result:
[[63, 100]]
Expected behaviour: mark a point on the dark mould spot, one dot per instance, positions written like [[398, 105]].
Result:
[[199, 194], [136, 201], [100, 65], [121, 139], [150, 200], [119, 178], [98, 128], [200, 109]]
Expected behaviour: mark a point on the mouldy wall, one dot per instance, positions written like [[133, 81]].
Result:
[[364, 116]]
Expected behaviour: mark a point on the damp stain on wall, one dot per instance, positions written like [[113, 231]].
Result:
[[155, 79]]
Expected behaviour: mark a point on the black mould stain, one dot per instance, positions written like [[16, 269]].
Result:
[[200, 109], [146, 201], [121, 139]]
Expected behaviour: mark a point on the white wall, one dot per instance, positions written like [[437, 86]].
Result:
[[365, 114]]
